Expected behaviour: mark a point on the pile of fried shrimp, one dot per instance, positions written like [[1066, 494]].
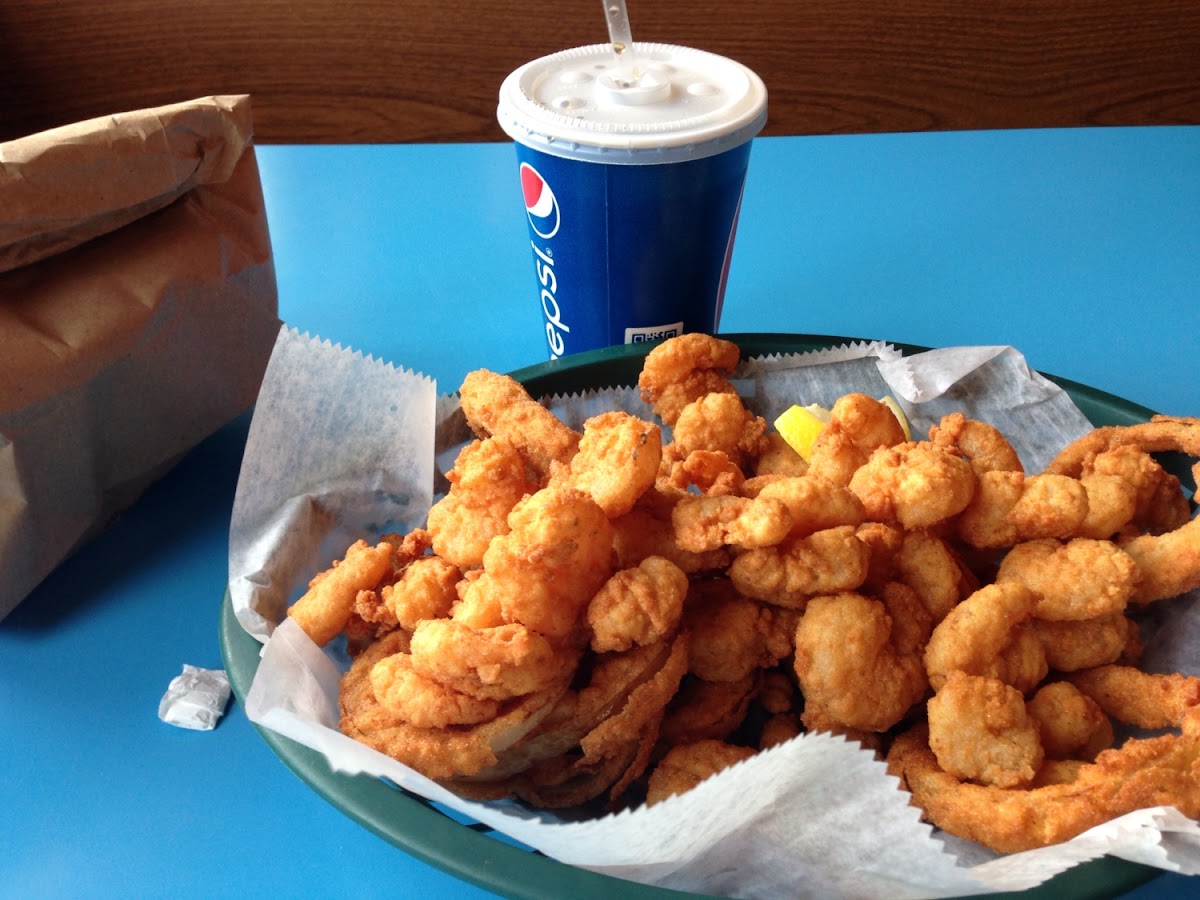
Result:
[[606, 617]]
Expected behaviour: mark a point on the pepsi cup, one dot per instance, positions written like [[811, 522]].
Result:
[[632, 182]]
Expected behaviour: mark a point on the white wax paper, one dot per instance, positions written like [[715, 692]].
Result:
[[815, 817], [340, 445]]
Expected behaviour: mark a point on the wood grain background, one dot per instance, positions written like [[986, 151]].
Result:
[[423, 70]]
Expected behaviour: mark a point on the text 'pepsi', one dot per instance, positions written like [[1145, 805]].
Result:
[[625, 254]]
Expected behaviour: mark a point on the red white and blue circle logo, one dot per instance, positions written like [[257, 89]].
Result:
[[540, 203]]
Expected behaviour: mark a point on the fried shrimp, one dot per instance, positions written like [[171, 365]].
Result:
[[1081, 579], [827, 561], [1009, 507], [1137, 775], [426, 590], [779, 458], [711, 471], [1112, 505], [718, 421], [642, 533], [686, 765], [916, 484], [498, 405], [1160, 504], [707, 709], [1169, 564], [1161, 433], [849, 662], [858, 426], [912, 623], [685, 368], [926, 564], [490, 663], [979, 731], [617, 461], [703, 524], [639, 605], [729, 637], [1071, 646], [987, 635], [373, 616], [815, 503], [543, 572], [327, 605], [884, 541], [982, 444], [1140, 698], [1071, 724], [487, 480], [1169, 555]]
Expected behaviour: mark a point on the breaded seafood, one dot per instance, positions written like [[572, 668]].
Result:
[[1139, 774], [720, 423], [489, 477], [1071, 725], [544, 571], [686, 765], [686, 368], [496, 405], [980, 731], [617, 461], [858, 426], [917, 484], [981, 444], [988, 634], [855, 664], [325, 608], [793, 571], [1080, 579], [595, 618], [636, 606]]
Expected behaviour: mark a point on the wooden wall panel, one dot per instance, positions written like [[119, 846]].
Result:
[[423, 70]]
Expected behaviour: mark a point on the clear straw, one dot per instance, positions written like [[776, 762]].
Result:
[[619, 33]]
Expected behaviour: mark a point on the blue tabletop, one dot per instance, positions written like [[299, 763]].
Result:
[[1078, 247]]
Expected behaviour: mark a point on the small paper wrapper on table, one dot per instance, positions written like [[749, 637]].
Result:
[[137, 311], [195, 698], [816, 816]]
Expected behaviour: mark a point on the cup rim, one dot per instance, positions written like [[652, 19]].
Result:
[[690, 135]]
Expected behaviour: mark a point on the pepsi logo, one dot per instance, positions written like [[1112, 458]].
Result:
[[540, 203]]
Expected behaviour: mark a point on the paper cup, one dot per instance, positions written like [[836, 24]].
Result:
[[632, 183]]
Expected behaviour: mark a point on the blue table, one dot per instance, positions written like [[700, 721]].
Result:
[[1079, 247]]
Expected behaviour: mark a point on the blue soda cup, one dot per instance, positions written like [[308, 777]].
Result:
[[632, 183]]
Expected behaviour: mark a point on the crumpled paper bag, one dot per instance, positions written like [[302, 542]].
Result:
[[138, 309]]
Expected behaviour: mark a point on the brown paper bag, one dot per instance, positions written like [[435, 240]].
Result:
[[137, 311]]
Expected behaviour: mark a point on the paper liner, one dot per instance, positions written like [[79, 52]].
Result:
[[815, 817]]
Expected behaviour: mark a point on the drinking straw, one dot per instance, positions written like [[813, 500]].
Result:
[[619, 34]]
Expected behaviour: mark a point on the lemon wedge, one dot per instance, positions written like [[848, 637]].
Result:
[[890, 402], [800, 425]]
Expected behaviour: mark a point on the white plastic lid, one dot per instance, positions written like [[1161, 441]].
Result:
[[684, 104]]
